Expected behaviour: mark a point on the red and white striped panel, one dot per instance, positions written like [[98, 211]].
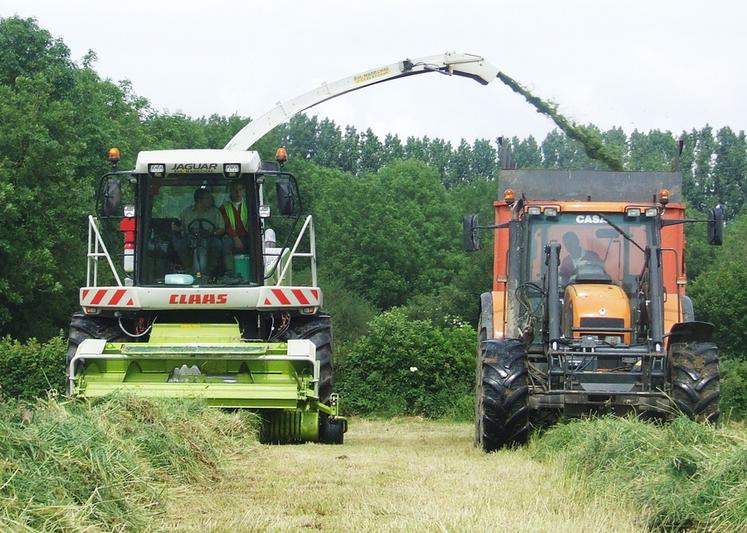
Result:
[[106, 297], [289, 297]]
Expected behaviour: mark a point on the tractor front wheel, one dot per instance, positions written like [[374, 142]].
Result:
[[502, 407], [695, 376]]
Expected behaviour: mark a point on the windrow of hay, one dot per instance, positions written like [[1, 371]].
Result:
[[682, 476], [588, 137], [75, 466]]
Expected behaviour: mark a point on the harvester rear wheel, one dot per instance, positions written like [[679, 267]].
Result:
[[84, 327], [331, 431], [502, 408], [696, 379], [317, 329]]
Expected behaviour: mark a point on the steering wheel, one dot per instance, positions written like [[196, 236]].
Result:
[[197, 229], [590, 271]]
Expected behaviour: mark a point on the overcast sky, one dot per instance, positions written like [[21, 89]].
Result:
[[637, 64]]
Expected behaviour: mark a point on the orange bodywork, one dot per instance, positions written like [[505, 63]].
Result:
[[672, 245], [592, 309]]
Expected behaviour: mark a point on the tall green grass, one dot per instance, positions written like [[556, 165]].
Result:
[[75, 466], [682, 476]]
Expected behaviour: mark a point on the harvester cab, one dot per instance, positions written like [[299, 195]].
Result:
[[190, 292], [588, 310]]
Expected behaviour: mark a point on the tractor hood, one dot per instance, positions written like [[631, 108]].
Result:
[[599, 310]]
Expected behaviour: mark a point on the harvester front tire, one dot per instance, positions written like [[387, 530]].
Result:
[[696, 378], [84, 327], [502, 407], [317, 329]]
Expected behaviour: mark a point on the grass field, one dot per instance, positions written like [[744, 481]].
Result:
[[401, 475]]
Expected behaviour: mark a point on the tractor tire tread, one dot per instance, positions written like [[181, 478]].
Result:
[[695, 380], [502, 405]]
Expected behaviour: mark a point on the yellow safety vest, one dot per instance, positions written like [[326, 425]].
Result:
[[228, 206]]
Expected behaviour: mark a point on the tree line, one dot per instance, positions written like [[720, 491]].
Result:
[[387, 211], [713, 163]]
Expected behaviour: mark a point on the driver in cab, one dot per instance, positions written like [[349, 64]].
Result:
[[199, 233], [576, 258]]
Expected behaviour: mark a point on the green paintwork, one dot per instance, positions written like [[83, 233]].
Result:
[[180, 333], [232, 374]]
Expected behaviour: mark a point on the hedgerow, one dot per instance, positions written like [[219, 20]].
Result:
[[409, 367]]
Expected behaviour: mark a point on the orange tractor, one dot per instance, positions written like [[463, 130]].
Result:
[[588, 311]]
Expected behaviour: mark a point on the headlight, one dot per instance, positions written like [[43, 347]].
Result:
[[157, 170], [551, 212], [633, 211], [231, 169]]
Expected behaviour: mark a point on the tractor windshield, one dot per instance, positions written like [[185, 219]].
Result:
[[592, 250], [197, 231]]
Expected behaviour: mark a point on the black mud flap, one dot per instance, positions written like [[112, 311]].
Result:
[[691, 332]]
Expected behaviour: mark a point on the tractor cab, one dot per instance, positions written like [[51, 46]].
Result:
[[588, 310], [602, 255]]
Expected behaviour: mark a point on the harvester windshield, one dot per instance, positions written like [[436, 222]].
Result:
[[198, 230], [591, 249]]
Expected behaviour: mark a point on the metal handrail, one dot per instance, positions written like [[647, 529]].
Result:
[[311, 254], [94, 253], [97, 249]]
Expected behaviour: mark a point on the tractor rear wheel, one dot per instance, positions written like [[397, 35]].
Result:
[[695, 376], [84, 327], [502, 407], [317, 329]]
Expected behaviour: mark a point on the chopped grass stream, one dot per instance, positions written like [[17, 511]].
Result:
[[590, 139]]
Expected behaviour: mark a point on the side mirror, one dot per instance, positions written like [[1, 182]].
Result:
[[471, 235], [112, 197], [716, 225], [286, 197]]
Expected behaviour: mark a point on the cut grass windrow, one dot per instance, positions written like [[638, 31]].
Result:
[[73, 466], [681, 476]]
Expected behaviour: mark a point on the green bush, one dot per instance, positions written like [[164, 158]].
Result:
[[94, 467], [409, 367], [350, 312], [682, 476], [28, 370], [720, 297], [734, 388]]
